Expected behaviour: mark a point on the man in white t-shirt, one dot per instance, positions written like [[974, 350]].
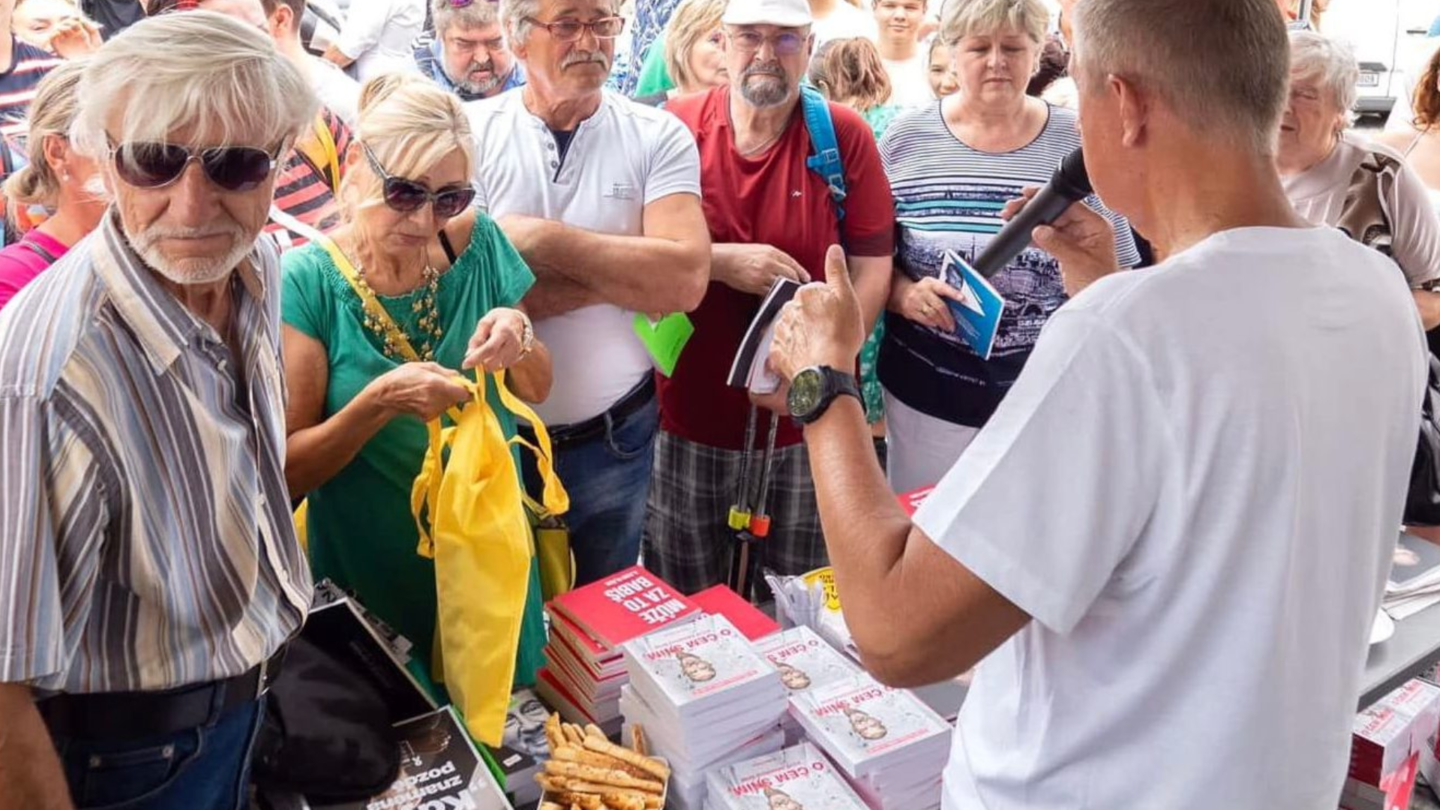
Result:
[[377, 37], [1169, 543], [898, 40], [601, 196]]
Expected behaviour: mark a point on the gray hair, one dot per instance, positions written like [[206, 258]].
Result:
[[514, 12], [1329, 60], [1222, 66], [198, 69], [476, 15], [963, 18]]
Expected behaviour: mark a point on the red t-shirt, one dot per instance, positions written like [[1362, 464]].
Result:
[[773, 199]]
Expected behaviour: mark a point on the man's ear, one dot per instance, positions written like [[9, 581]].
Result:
[[1134, 104]]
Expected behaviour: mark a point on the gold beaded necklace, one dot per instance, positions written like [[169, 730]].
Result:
[[425, 306]]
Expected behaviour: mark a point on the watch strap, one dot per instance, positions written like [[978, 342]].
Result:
[[833, 385]]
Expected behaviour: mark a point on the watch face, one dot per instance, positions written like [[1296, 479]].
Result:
[[805, 392]]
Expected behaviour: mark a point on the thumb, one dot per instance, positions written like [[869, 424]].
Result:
[[837, 273]]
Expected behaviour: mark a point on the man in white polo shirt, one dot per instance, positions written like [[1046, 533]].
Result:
[[1169, 542], [601, 197]]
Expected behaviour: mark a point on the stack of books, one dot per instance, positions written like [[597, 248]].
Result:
[[805, 662], [1414, 578], [800, 775], [704, 698], [585, 669], [890, 745]]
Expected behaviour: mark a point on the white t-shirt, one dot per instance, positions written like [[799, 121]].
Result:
[[1194, 489], [1319, 194], [336, 90], [378, 35], [910, 80], [620, 160], [844, 22]]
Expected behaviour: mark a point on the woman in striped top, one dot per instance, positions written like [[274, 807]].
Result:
[[952, 167]]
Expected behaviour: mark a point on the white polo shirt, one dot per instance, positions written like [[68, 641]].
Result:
[[620, 160]]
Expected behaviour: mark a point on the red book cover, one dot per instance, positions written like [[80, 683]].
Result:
[[911, 501], [559, 697], [749, 620], [580, 641], [624, 606], [560, 650]]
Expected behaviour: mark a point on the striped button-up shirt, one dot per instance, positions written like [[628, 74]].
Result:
[[145, 531]]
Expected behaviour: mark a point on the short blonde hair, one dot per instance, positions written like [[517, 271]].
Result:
[[692, 21], [964, 18], [410, 125], [199, 69], [51, 113]]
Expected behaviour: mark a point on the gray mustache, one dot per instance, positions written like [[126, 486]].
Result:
[[582, 57], [768, 69]]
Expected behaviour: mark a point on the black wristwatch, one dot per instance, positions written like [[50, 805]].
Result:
[[814, 388]]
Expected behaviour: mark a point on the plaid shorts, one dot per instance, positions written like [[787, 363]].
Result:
[[687, 540]]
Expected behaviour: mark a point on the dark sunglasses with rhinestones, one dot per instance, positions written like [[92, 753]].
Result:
[[153, 164], [407, 195]]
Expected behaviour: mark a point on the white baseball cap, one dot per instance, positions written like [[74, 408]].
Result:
[[784, 13]]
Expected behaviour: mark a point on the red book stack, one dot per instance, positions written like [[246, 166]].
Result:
[[585, 668]]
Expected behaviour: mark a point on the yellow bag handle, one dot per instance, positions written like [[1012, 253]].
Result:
[[328, 161], [427, 484]]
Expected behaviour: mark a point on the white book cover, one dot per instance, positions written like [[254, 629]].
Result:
[[805, 660], [863, 724], [798, 778], [695, 663]]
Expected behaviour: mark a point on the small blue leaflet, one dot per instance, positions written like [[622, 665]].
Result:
[[977, 316]]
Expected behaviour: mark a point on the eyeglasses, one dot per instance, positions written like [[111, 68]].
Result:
[[466, 3], [787, 43], [571, 30], [156, 165], [407, 195]]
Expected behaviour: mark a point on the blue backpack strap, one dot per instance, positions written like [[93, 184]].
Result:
[[826, 160]]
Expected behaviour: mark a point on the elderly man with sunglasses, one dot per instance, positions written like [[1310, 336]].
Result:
[[771, 216], [149, 574], [601, 196], [469, 56]]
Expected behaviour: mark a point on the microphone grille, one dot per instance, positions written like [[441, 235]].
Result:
[[1072, 178]]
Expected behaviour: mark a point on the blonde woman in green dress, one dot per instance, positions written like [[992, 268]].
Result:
[[452, 283]]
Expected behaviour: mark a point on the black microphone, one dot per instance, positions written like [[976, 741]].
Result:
[[1069, 184]]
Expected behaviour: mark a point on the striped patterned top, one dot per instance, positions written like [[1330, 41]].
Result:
[[28, 65], [145, 531], [302, 188], [948, 196]]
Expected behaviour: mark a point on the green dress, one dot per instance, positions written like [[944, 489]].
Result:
[[361, 532], [654, 74]]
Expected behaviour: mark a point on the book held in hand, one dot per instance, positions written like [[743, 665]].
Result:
[[977, 314], [748, 369]]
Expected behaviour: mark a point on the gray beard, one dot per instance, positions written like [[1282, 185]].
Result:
[[478, 88], [763, 94]]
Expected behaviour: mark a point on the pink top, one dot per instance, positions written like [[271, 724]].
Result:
[[20, 263]]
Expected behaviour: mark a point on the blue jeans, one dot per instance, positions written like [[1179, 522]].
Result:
[[202, 768], [608, 479]]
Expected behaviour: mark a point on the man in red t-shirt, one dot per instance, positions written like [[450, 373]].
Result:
[[769, 216]]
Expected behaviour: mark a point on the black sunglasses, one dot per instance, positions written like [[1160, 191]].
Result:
[[407, 195], [145, 164]]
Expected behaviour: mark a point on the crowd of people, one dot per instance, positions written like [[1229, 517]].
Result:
[[189, 352]]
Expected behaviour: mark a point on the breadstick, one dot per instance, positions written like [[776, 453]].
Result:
[[631, 803], [637, 739], [601, 776], [592, 730], [582, 800], [551, 806], [573, 734], [657, 769], [553, 734], [609, 795], [569, 753]]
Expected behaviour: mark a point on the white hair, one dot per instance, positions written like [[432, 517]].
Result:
[[1221, 66], [1331, 61], [200, 70], [963, 18], [476, 15]]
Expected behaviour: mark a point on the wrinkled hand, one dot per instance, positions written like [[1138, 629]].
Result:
[[422, 390], [822, 325], [1082, 240], [74, 37], [923, 302], [498, 342], [754, 268]]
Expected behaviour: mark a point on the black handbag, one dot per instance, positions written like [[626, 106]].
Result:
[[1422, 501]]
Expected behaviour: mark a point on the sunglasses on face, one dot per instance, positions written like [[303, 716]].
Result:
[[407, 195], [145, 164]]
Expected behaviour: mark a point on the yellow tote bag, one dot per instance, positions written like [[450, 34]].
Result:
[[469, 508]]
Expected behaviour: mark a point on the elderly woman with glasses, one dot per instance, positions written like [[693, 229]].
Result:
[[1337, 177], [449, 280]]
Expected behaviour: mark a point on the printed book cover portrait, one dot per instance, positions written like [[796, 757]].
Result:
[[798, 778], [865, 719]]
